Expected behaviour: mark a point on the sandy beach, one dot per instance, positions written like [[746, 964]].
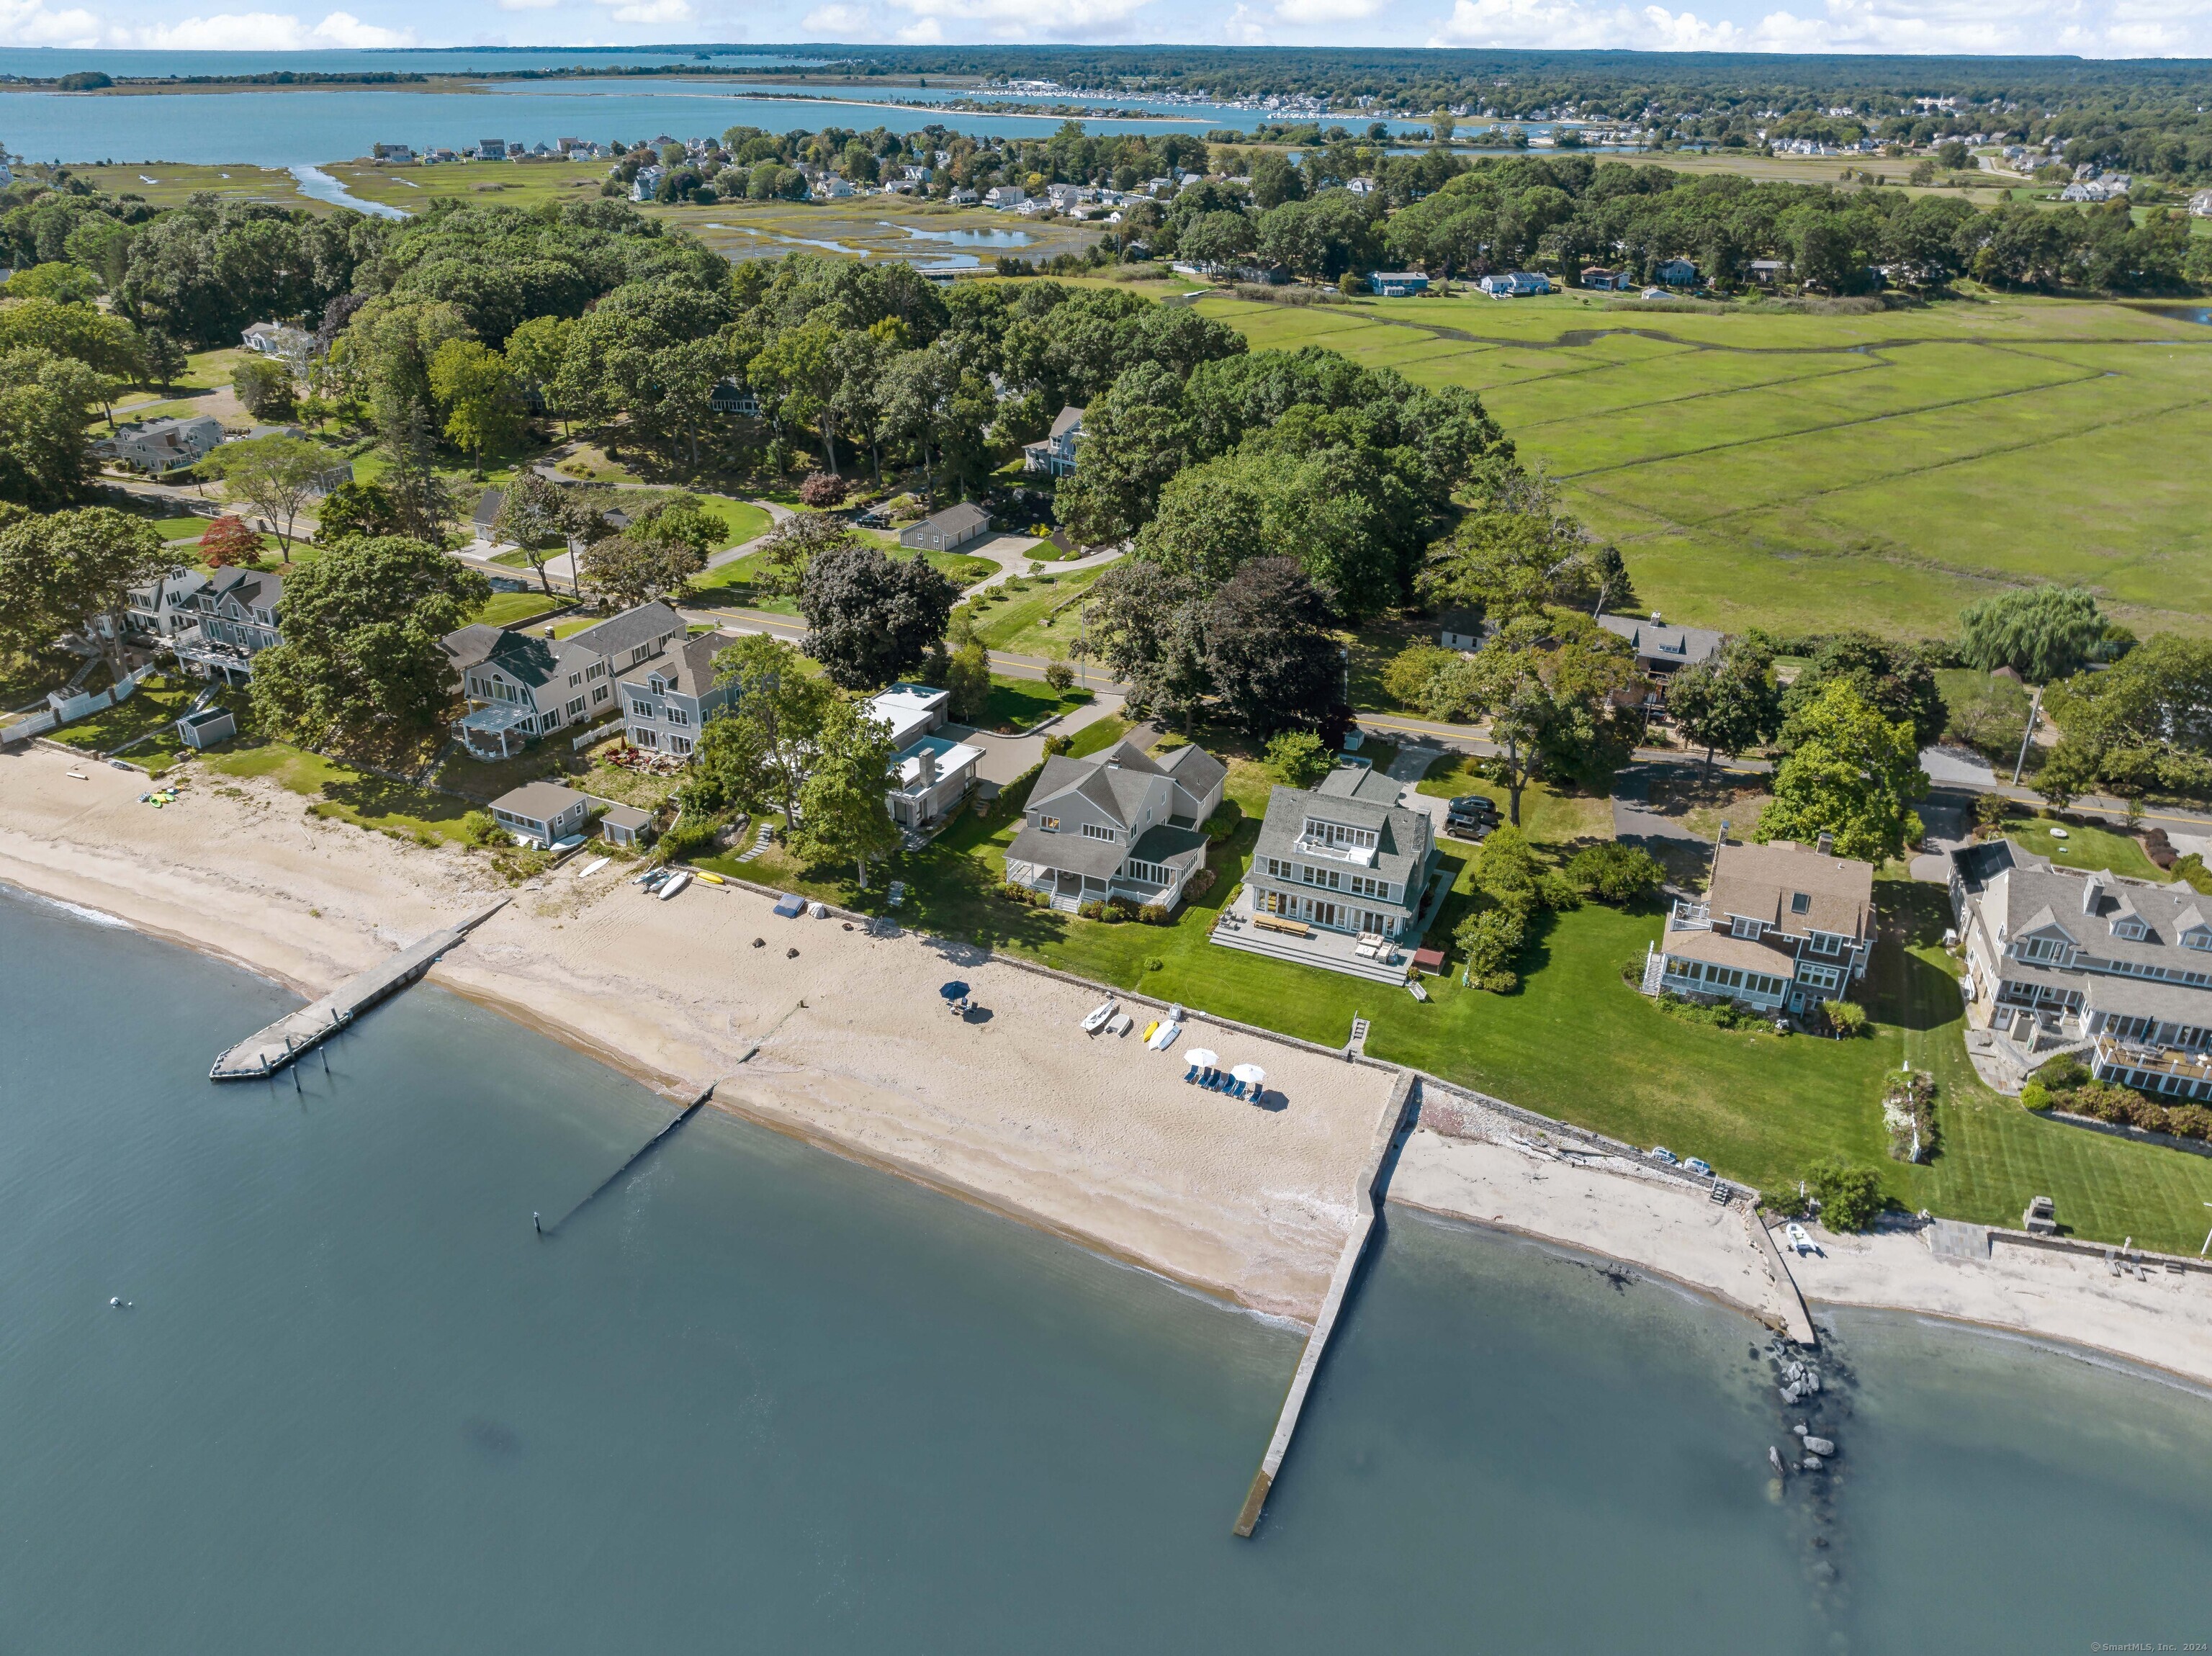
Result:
[[1475, 1172], [1015, 1107]]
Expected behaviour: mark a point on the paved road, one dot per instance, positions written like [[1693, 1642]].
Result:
[[793, 629]]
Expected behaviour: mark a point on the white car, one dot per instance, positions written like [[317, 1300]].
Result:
[[1699, 1165], [1662, 1154]]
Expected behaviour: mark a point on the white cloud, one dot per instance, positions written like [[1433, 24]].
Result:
[[650, 11], [836, 22], [265, 31], [342, 28], [28, 23], [525, 5], [2130, 28], [1306, 12], [1020, 19]]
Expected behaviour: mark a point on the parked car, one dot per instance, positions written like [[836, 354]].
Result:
[[1469, 827], [1699, 1165], [1472, 805], [1662, 1154]]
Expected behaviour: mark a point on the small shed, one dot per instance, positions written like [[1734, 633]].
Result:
[[207, 727], [622, 825], [542, 812]]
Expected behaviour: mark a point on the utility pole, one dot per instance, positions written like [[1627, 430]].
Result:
[[2034, 707]]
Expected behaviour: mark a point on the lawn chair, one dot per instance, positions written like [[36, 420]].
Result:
[[1191, 1074]]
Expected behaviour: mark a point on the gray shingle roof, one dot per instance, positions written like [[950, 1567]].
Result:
[[1402, 836], [956, 520], [1078, 853], [619, 634], [539, 801], [1760, 882], [1656, 642], [687, 668]]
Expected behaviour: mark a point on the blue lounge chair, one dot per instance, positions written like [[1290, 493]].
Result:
[[1235, 1088], [1191, 1074]]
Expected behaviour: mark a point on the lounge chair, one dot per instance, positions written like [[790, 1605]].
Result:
[[1235, 1088], [1191, 1074]]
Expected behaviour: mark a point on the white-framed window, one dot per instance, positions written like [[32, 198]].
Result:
[[575, 679], [1049, 824], [1826, 942], [1819, 977], [2199, 938], [678, 716], [600, 694], [2042, 949], [646, 738], [576, 706], [1744, 925], [1093, 831], [679, 744]]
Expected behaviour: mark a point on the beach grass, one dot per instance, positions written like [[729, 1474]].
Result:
[[1763, 467]]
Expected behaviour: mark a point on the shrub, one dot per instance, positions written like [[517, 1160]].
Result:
[[1154, 963], [1845, 1018], [1784, 1204], [1351, 286], [1850, 1195], [1908, 1110], [2034, 1096], [1491, 942], [1990, 809], [1092, 910], [2063, 1073], [1201, 883], [481, 827], [1615, 873], [264, 388], [1720, 1014], [1223, 822], [1058, 675], [822, 489], [1055, 745], [1120, 908], [1299, 759], [689, 836], [2190, 1120]]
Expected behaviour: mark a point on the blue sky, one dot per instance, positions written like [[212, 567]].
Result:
[[2112, 28]]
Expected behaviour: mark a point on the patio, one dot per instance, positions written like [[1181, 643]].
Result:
[[1240, 927]]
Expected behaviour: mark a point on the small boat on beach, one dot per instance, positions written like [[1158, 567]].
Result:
[[1096, 1019], [675, 885], [592, 867], [711, 879]]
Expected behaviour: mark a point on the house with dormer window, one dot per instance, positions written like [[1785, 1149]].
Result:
[[667, 702], [1120, 823], [1345, 856], [2060, 960], [235, 619], [1782, 927], [521, 685]]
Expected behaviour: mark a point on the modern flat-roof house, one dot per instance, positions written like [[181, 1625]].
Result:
[[2057, 959], [158, 446], [522, 685], [1782, 927], [1399, 284], [240, 616], [929, 778], [668, 702], [544, 813], [1119, 823], [949, 529], [1662, 650], [910, 709], [1056, 453]]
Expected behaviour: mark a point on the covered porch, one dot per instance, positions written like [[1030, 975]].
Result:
[[498, 730]]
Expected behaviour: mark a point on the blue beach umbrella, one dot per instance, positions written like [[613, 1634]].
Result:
[[953, 991]]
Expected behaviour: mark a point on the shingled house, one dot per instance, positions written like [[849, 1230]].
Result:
[[1782, 928], [1117, 824]]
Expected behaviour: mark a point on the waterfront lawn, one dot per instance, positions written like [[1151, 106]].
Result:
[[337, 790], [145, 721]]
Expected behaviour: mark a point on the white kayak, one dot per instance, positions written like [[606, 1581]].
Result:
[[592, 867], [674, 886]]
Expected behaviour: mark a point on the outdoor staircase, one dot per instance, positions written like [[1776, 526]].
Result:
[[1253, 941], [1068, 902], [1654, 969], [759, 845]]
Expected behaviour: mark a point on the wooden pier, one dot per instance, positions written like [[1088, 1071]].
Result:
[[272, 1048], [1388, 1133]]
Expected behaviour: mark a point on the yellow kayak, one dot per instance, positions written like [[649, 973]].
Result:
[[711, 879], [1149, 1028]]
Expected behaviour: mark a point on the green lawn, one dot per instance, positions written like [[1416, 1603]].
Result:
[[732, 583], [1547, 816], [150, 711], [1018, 703], [505, 607], [337, 790], [1096, 737], [1784, 470], [1040, 621], [2085, 846]]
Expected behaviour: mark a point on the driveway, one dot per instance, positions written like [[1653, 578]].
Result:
[[1006, 757], [1013, 553]]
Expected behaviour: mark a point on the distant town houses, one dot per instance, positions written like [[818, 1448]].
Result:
[[1005, 195], [1515, 284], [1055, 454], [1780, 928], [2110, 187], [2200, 205], [239, 616], [293, 346], [2057, 959], [522, 686], [1117, 824], [647, 181], [160, 447], [1674, 273], [1604, 278], [1399, 284]]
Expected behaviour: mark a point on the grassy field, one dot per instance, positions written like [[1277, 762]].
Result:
[[521, 184], [732, 583], [172, 183], [338, 791], [1038, 621], [2086, 846], [1790, 469]]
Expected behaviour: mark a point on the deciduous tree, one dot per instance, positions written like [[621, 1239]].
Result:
[[70, 572], [1849, 771], [2044, 633], [842, 812], [758, 754], [1730, 702], [1273, 662], [482, 404], [870, 619], [276, 475]]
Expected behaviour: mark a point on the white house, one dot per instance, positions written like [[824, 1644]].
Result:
[[1005, 195], [1515, 284], [912, 710], [929, 778]]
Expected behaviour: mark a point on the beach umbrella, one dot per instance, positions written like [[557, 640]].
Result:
[[1251, 1075], [954, 991], [1203, 1058]]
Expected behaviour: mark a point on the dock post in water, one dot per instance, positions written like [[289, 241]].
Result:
[[1373, 1178], [270, 1050]]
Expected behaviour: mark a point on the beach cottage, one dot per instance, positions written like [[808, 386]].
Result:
[[523, 685], [1117, 824], [1782, 927]]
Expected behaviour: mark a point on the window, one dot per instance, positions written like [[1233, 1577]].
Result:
[[1826, 942], [1801, 902], [678, 745], [2042, 949], [1049, 824], [678, 716], [1819, 977], [2132, 929], [1092, 831], [600, 694], [2198, 938], [576, 706], [646, 738], [575, 679], [1744, 926], [1365, 886]]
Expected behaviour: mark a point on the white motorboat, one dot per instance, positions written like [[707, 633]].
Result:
[[1800, 1241], [675, 885], [1097, 1021]]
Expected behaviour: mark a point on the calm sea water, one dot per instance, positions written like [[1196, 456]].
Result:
[[757, 1398]]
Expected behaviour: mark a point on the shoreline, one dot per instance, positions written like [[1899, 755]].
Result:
[[1012, 1109]]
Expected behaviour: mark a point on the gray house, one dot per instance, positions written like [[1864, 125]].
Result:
[[668, 702], [948, 531], [1117, 824], [1662, 650], [1781, 927], [1056, 453], [2057, 959], [523, 685], [239, 618], [158, 446], [1343, 857], [545, 813]]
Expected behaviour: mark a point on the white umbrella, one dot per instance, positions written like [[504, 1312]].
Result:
[[1251, 1075], [1202, 1058]]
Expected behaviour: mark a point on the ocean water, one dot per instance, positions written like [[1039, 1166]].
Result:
[[755, 1397]]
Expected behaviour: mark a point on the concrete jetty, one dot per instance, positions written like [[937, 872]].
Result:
[[270, 1050], [1388, 1133], [1797, 1322]]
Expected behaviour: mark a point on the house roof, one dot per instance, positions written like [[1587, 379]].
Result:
[[625, 632], [951, 755], [956, 519], [1760, 881], [1194, 770], [1351, 782], [522, 656], [1468, 623], [2024, 893], [687, 668], [537, 801], [1069, 419], [1725, 949], [1402, 836], [1179, 848], [1078, 853], [472, 645], [1656, 639]]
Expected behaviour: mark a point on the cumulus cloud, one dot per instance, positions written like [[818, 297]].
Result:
[[263, 31], [650, 11], [525, 5], [29, 23], [2130, 28], [1018, 19], [1308, 12], [836, 22]]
